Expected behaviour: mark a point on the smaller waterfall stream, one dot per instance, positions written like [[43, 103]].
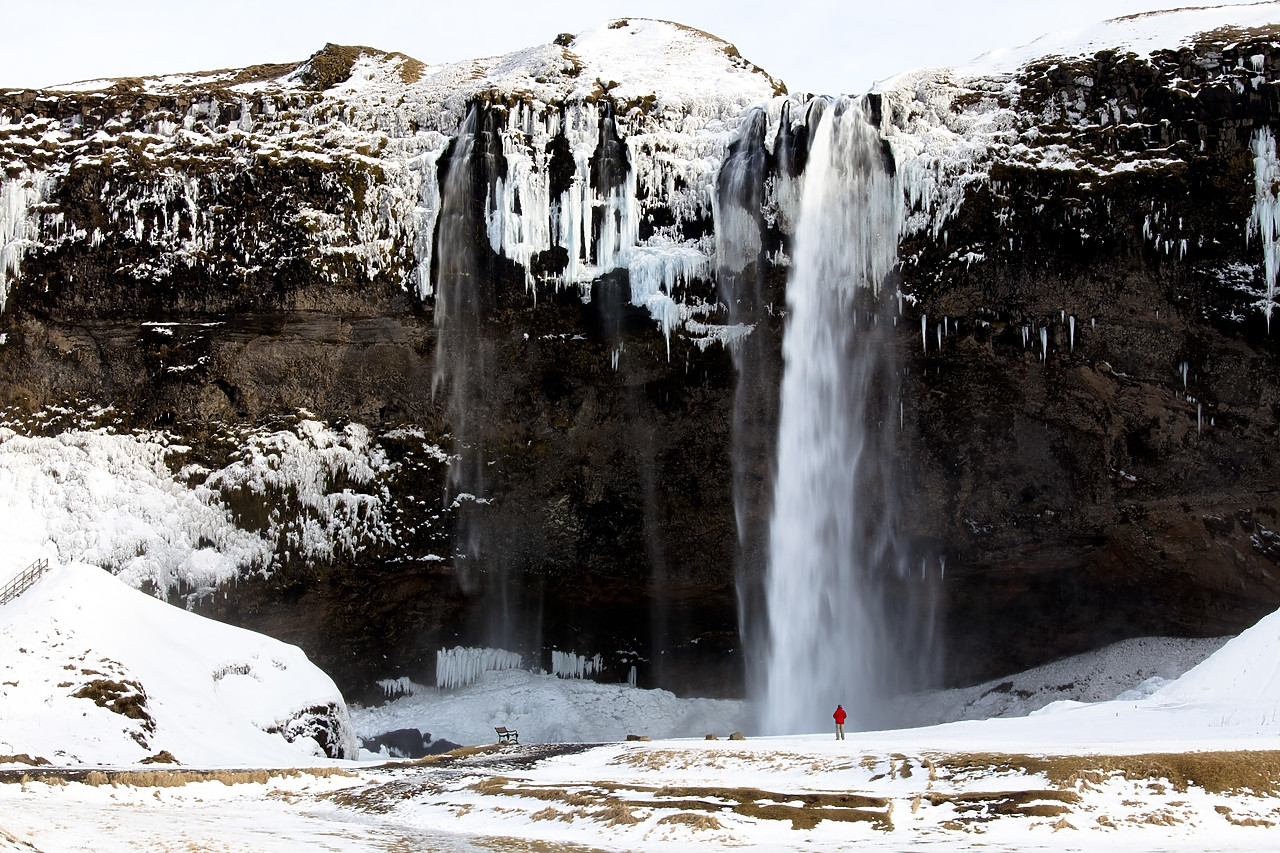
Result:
[[740, 200], [460, 352], [834, 548]]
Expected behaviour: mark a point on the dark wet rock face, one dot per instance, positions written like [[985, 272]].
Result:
[[1089, 416], [1087, 494]]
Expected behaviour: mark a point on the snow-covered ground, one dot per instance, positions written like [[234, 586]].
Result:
[[95, 672], [1195, 765]]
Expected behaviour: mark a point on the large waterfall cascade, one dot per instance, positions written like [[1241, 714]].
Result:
[[834, 549]]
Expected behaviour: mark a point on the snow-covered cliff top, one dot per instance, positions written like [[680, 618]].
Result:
[[631, 59], [1140, 34]]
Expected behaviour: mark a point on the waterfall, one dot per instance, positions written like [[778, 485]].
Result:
[[836, 631], [464, 365], [460, 352], [739, 203]]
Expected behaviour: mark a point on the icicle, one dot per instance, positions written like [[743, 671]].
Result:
[[1266, 208], [1199, 417], [1026, 336], [572, 665], [939, 338], [924, 332], [942, 568], [631, 677], [1044, 343], [1183, 367], [459, 666], [1072, 325]]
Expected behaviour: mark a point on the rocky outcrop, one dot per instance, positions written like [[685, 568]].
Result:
[[1081, 319]]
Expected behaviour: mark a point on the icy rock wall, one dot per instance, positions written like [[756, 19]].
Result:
[[302, 484], [262, 185], [580, 184]]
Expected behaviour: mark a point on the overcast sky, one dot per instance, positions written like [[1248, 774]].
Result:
[[815, 45]]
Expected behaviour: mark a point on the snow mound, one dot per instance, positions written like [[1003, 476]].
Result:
[[1231, 700], [1245, 671], [547, 709], [641, 56], [94, 672], [1130, 669]]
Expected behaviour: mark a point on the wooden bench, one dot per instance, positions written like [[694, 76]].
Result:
[[506, 735]]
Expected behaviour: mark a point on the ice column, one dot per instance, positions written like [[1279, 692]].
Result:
[[833, 543], [19, 230], [1266, 208]]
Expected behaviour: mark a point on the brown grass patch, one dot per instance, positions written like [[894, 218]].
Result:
[[989, 805], [23, 758], [1232, 771], [1241, 821], [613, 808], [805, 817], [615, 814], [502, 844], [693, 821], [174, 778], [124, 697], [450, 756], [552, 813]]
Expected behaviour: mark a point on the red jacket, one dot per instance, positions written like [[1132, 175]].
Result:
[[840, 716]]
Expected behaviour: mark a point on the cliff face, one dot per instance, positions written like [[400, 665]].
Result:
[[1094, 426], [560, 400]]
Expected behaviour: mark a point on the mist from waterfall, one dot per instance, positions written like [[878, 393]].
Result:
[[835, 556]]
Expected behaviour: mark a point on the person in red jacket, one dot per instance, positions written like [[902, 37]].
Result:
[[840, 716]]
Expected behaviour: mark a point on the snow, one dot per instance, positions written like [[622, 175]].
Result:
[[110, 500], [546, 708], [1138, 772], [209, 692], [1141, 34], [113, 500]]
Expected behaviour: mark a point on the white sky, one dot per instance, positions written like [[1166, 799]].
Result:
[[828, 46]]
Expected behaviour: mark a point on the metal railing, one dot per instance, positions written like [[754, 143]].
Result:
[[23, 582]]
